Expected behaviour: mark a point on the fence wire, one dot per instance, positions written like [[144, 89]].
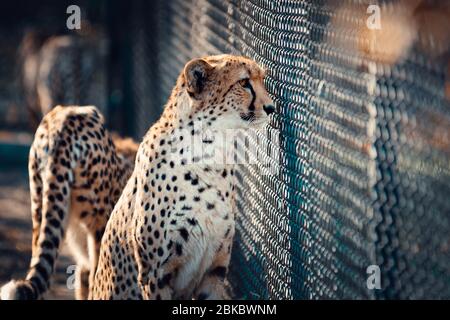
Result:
[[359, 145]]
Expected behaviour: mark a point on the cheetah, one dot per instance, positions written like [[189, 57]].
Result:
[[170, 233], [76, 176], [60, 69]]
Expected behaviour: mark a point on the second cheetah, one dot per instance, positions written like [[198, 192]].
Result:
[[77, 173]]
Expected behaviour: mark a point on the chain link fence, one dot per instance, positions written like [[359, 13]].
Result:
[[359, 147], [360, 141]]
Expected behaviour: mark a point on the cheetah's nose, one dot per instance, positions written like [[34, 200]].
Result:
[[268, 108]]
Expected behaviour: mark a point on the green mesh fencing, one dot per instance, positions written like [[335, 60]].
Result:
[[358, 149]]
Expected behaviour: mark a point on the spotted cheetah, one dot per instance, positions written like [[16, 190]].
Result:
[[60, 69], [76, 176], [170, 233]]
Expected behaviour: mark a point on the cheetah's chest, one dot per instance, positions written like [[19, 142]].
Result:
[[209, 222]]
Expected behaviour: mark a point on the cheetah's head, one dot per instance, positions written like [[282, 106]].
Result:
[[227, 92]]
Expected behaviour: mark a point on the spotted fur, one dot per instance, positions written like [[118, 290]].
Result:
[[76, 174], [170, 234]]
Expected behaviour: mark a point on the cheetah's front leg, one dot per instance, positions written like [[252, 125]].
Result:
[[157, 289], [154, 284], [212, 287]]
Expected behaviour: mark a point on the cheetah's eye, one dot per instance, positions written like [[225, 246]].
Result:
[[245, 83]]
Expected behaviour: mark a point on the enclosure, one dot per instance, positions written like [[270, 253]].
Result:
[[353, 172]]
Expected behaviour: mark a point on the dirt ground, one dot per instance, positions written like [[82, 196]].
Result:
[[15, 234]]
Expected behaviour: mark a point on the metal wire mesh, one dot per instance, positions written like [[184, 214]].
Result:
[[359, 148]]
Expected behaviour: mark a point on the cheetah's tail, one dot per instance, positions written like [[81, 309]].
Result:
[[18, 290], [50, 217]]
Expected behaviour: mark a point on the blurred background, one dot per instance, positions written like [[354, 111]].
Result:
[[360, 142]]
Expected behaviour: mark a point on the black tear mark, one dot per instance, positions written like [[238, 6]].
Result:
[[252, 104]]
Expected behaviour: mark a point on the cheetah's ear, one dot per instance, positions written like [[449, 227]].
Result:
[[196, 73]]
